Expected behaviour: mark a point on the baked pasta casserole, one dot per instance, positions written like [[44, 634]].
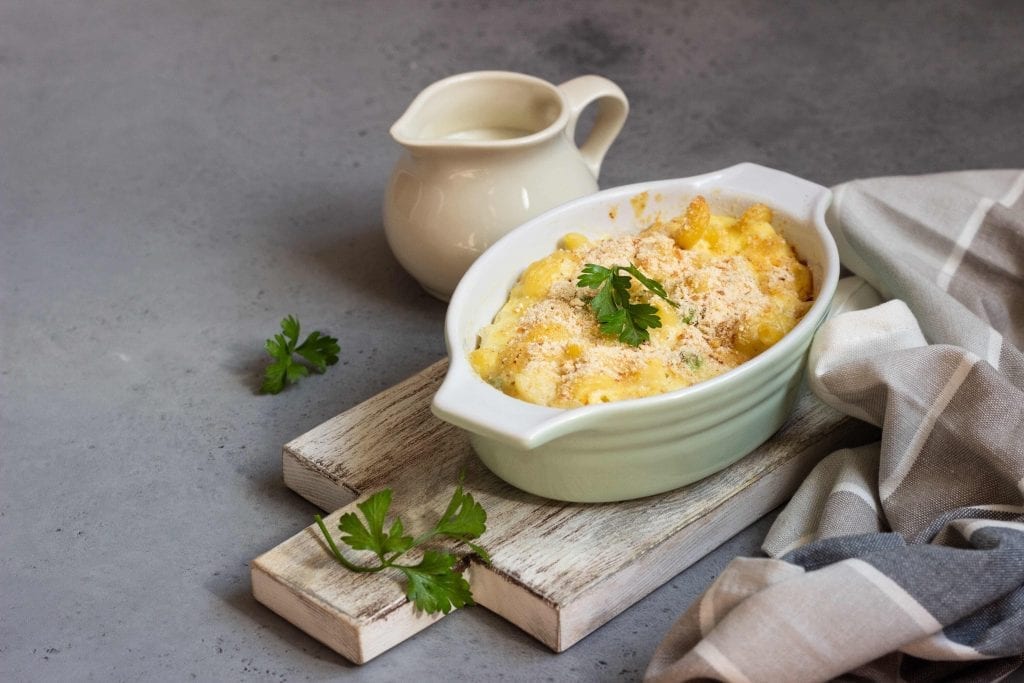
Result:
[[737, 286]]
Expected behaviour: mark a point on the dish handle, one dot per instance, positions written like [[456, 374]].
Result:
[[466, 401], [800, 198]]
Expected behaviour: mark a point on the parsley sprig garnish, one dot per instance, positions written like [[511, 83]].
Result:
[[318, 349], [616, 314], [432, 585]]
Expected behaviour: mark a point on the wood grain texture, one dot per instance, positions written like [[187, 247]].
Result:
[[559, 570]]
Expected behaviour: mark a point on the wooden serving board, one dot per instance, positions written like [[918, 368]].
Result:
[[559, 570]]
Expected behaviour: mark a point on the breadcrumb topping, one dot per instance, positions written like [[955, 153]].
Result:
[[739, 288]]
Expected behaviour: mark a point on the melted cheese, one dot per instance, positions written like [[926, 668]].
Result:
[[739, 285]]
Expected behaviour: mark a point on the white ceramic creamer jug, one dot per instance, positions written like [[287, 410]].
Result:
[[485, 152]]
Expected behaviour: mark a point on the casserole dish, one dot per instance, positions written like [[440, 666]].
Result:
[[638, 447]]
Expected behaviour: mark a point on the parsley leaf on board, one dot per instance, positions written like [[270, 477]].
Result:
[[616, 315], [319, 350], [433, 584]]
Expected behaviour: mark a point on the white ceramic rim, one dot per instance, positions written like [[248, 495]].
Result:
[[418, 103], [466, 400]]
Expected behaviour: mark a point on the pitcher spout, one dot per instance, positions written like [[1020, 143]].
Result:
[[405, 131]]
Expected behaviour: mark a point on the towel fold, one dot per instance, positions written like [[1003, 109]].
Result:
[[903, 559]]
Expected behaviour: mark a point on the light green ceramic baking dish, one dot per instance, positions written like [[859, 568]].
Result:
[[639, 447]]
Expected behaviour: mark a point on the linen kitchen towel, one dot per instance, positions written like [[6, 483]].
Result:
[[904, 559]]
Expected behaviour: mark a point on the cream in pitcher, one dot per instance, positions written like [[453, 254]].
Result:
[[484, 152]]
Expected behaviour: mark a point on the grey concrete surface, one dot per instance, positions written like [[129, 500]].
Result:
[[175, 177]]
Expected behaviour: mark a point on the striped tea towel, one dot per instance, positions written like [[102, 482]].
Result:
[[904, 559]]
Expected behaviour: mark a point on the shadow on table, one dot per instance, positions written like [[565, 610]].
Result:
[[248, 364], [345, 258], [323, 236]]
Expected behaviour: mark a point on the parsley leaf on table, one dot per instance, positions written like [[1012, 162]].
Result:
[[616, 315], [433, 584], [319, 350]]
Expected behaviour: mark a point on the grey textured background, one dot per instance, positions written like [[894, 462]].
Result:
[[175, 177]]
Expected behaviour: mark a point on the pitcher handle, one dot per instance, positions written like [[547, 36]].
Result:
[[612, 107]]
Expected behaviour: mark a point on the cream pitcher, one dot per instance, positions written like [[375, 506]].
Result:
[[485, 152]]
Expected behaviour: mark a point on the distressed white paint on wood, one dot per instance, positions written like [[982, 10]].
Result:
[[559, 570], [319, 614]]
